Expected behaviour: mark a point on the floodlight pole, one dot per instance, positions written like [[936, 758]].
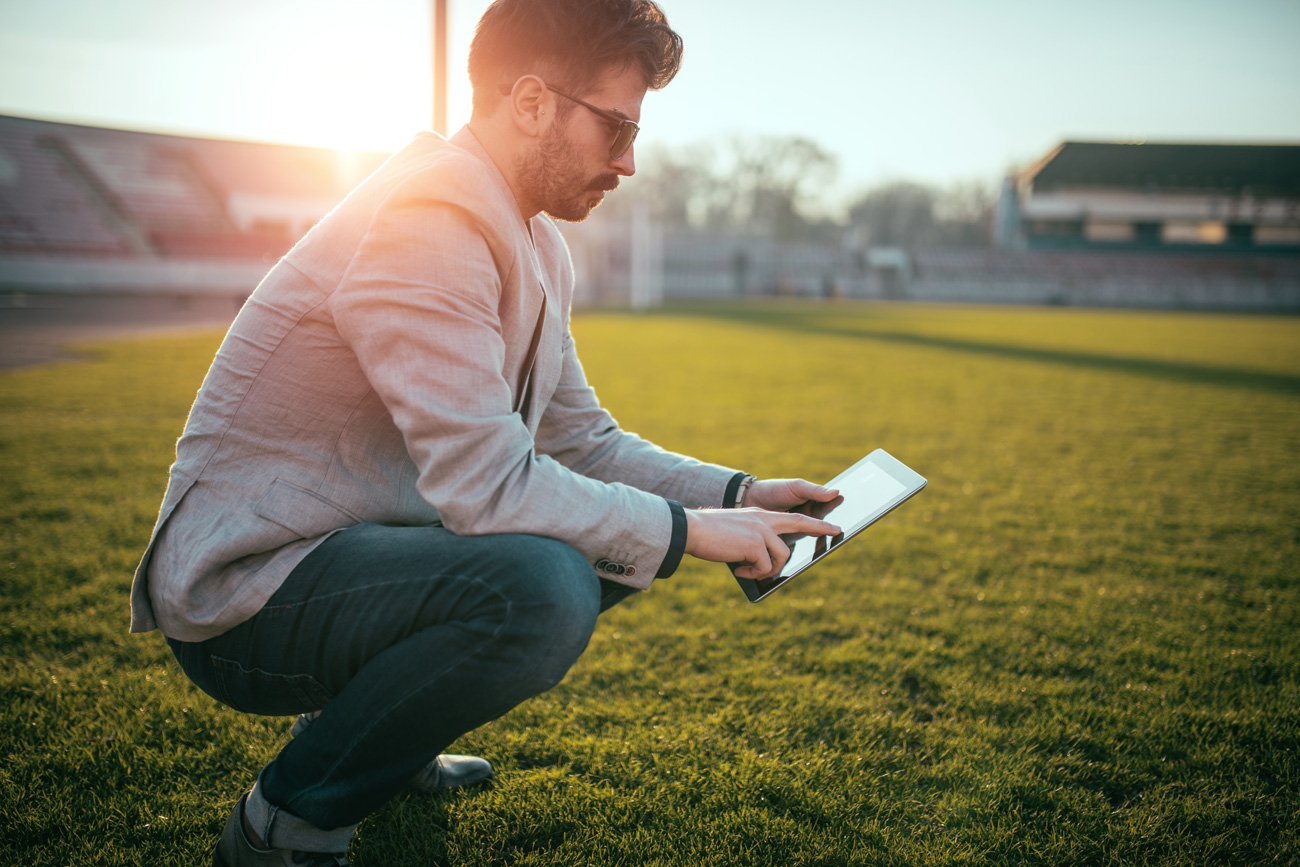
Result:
[[440, 66]]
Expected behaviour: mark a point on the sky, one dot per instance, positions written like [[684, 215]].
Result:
[[944, 91]]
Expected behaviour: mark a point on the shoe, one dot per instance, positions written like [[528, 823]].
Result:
[[452, 772], [443, 773], [234, 849]]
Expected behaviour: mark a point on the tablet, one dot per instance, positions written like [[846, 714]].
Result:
[[869, 490]]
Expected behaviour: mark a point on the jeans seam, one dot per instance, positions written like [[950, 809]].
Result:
[[234, 668], [219, 677]]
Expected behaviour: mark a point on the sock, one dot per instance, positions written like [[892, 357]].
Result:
[[252, 835]]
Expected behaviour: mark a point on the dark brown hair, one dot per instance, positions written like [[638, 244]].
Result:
[[570, 44]]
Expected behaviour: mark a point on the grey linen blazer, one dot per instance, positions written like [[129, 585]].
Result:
[[384, 371]]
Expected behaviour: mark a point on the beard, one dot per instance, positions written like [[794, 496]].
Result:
[[553, 180]]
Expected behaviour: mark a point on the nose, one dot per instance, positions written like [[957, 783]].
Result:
[[626, 164]]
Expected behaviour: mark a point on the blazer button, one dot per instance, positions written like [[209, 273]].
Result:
[[630, 571], [601, 564], [618, 568]]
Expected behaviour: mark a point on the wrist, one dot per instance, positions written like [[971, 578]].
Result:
[[742, 490], [692, 530]]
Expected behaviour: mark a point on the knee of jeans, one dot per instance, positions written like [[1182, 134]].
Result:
[[554, 607]]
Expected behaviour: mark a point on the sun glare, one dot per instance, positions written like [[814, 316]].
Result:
[[352, 82], [328, 73], [352, 85]]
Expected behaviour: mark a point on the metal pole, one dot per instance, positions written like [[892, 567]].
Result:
[[440, 66]]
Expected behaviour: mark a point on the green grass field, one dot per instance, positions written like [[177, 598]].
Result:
[[1079, 645]]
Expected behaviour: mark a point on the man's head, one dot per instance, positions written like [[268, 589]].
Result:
[[571, 44], [554, 80]]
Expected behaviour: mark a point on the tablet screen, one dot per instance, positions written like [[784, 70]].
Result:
[[867, 491], [864, 493]]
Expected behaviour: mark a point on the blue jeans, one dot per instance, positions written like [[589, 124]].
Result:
[[405, 638]]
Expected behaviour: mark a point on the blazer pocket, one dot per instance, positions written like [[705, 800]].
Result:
[[304, 512]]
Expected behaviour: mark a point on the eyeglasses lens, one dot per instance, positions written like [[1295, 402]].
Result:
[[622, 140]]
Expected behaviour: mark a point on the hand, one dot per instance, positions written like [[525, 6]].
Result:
[[748, 536], [782, 495]]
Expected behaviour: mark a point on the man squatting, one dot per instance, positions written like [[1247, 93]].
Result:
[[397, 507]]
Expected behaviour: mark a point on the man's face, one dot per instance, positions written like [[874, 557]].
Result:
[[570, 170]]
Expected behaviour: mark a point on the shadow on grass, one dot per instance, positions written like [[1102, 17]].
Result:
[[1226, 377]]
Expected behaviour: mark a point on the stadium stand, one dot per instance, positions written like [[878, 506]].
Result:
[[43, 208], [74, 195], [1111, 279]]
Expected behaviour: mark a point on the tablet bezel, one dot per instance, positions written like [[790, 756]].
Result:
[[912, 482]]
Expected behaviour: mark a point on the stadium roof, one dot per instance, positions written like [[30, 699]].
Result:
[[1264, 171]]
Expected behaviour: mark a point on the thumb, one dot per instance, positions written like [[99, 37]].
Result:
[[824, 494], [809, 491]]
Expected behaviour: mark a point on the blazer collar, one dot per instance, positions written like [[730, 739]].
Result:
[[467, 141]]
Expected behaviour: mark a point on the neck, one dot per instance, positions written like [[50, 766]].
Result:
[[504, 155]]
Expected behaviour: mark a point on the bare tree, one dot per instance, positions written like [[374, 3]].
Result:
[[775, 187], [677, 186], [775, 182], [908, 214], [964, 215], [768, 185], [899, 214]]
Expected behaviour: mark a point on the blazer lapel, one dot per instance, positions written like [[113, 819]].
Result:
[[523, 390], [544, 360]]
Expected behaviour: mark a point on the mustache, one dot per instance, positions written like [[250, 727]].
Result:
[[605, 183]]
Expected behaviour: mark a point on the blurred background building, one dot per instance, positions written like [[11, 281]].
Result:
[[1187, 197], [1150, 225]]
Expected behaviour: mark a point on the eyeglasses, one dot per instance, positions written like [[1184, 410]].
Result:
[[625, 129]]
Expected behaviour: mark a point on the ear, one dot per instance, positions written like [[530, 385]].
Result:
[[531, 105]]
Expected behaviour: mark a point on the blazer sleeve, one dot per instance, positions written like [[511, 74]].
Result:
[[418, 306], [579, 433]]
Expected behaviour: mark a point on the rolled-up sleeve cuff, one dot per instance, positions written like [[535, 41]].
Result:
[[677, 545], [729, 496]]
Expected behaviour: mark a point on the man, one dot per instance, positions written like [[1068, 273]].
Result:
[[397, 507]]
